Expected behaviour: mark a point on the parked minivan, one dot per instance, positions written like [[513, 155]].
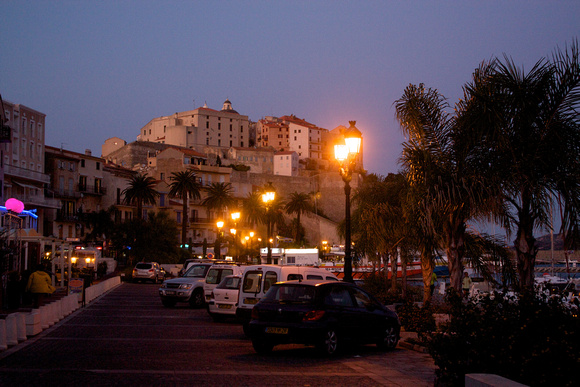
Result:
[[216, 274], [258, 279]]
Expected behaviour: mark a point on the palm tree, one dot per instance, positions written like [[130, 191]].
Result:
[[526, 126], [298, 203], [447, 191], [141, 190], [253, 209], [185, 185], [219, 198]]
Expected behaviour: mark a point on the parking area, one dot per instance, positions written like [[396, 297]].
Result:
[[128, 337]]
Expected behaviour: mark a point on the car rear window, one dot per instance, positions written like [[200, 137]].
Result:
[[214, 276], [252, 282], [291, 294], [230, 283], [143, 266]]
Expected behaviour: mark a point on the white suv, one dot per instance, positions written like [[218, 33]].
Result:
[[188, 288]]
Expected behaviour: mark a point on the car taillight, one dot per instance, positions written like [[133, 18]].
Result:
[[254, 314], [150, 270], [313, 315]]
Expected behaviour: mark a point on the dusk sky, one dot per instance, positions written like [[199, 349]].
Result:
[[100, 69]]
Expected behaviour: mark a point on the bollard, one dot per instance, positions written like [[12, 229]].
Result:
[[3, 345], [21, 327], [33, 323], [43, 311], [59, 309], [11, 332]]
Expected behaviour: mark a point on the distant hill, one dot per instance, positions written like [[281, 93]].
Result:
[[545, 243]]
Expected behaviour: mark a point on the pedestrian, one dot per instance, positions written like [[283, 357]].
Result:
[[39, 285], [466, 284], [433, 280]]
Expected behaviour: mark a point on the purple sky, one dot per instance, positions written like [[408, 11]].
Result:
[[100, 69]]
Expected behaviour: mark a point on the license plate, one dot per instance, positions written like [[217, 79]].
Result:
[[277, 331], [170, 292], [224, 306], [250, 300]]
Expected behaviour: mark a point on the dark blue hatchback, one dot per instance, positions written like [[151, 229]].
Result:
[[321, 313]]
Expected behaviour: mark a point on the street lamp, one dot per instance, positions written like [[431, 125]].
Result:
[[268, 197], [346, 155], [217, 247], [235, 216]]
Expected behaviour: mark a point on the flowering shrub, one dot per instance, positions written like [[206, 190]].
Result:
[[530, 339]]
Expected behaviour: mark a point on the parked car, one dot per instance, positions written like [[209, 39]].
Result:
[[215, 275], [223, 300], [257, 280], [148, 271], [188, 288], [321, 313]]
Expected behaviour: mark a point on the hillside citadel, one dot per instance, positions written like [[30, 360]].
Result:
[[220, 145]]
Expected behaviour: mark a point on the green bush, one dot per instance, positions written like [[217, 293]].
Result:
[[416, 319], [531, 340]]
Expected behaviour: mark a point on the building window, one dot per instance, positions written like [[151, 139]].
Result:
[[231, 128], [82, 163], [162, 176], [97, 185], [219, 126], [178, 218], [98, 165]]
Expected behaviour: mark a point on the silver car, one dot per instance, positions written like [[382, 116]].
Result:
[[148, 271]]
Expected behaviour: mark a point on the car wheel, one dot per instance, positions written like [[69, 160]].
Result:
[[329, 344], [262, 347], [246, 328], [390, 338], [168, 303], [197, 300]]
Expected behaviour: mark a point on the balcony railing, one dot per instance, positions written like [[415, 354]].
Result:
[[11, 170], [91, 189]]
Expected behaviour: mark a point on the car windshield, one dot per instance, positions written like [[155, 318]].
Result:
[[295, 294], [143, 266], [196, 271], [230, 283]]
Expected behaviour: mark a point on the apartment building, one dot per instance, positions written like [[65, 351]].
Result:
[[290, 133], [22, 160], [202, 126]]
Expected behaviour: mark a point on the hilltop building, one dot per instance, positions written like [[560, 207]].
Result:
[[202, 126]]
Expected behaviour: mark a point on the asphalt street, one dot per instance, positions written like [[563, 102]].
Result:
[[126, 337]]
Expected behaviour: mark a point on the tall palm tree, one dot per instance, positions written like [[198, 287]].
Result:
[[527, 126], [253, 209], [449, 193], [219, 198], [298, 203], [185, 185], [141, 190]]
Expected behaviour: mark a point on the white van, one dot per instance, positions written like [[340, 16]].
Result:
[[216, 274], [257, 279]]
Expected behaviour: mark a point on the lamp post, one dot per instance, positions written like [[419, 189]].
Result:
[[346, 155], [268, 197], [217, 246], [235, 216]]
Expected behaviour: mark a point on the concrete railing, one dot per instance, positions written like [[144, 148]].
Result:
[[18, 326]]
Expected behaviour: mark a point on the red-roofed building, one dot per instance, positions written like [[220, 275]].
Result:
[[290, 133]]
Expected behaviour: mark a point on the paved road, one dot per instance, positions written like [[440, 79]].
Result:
[[127, 337]]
